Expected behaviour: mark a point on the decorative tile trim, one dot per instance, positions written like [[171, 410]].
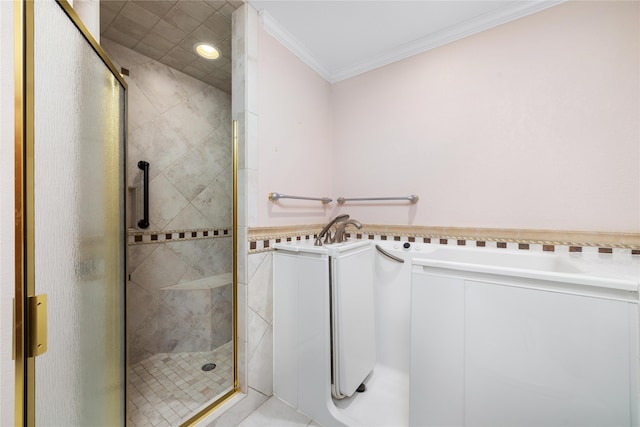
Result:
[[261, 239], [162, 236], [261, 233]]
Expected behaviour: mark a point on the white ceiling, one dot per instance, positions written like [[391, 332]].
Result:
[[340, 39]]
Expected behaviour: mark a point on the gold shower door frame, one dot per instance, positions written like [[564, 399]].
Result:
[[25, 413], [27, 328]]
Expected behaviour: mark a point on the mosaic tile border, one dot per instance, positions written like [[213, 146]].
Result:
[[261, 239], [163, 236]]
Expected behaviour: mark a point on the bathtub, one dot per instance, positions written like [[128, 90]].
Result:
[[502, 337], [466, 336]]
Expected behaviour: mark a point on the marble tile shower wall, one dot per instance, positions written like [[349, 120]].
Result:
[[259, 340], [182, 127]]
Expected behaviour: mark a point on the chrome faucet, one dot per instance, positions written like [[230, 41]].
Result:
[[327, 232], [339, 237]]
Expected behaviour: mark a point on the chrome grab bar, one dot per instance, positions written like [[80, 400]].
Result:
[[277, 196], [388, 255], [412, 198]]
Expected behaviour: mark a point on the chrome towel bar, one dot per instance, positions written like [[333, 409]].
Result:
[[277, 196], [412, 198]]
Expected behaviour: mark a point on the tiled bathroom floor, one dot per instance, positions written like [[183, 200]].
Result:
[[167, 388], [275, 413]]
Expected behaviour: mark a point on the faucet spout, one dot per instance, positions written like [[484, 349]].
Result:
[[326, 230], [340, 233]]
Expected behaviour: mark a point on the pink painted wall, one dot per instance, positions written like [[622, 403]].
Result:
[[534, 124], [294, 136]]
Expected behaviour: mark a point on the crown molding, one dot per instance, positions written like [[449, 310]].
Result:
[[459, 31], [516, 10], [279, 33]]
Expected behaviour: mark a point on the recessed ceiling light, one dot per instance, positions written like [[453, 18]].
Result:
[[206, 51]]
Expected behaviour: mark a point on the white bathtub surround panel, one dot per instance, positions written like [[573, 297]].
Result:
[[578, 364], [563, 330], [443, 323], [289, 331]]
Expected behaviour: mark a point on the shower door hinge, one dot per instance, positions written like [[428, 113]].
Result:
[[37, 321]]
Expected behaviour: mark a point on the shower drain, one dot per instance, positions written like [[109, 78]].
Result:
[[208, 366]]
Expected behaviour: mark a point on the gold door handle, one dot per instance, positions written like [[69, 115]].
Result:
[[37, 336]]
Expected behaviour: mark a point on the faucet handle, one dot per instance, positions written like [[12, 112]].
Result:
[[340, 230], [326, 231]]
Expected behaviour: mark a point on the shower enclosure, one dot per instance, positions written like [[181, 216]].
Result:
[[69, 183], [180, 285]]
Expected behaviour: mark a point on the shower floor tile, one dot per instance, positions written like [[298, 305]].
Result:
[[167, 388]]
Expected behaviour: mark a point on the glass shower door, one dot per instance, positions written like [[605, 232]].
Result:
[[78, 223]]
